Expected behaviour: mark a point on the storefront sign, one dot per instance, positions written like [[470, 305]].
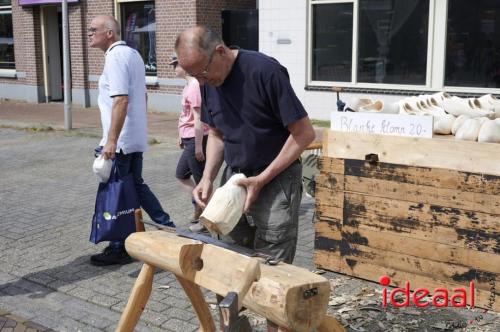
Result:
[[41, 2], [382, 124]]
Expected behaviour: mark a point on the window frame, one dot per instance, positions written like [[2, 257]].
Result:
[[436, 53], [8, 72], [150, 79]]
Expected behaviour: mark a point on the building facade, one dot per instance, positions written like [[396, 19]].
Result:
[[31, 44], [383, 49]]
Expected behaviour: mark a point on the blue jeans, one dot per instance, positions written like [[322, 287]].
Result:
[[132, 163]]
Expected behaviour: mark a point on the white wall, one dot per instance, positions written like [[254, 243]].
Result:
[[287, 19]]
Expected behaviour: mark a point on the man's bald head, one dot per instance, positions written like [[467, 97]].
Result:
[[103, 31], [109, 23], [203, 55], [199, 39]]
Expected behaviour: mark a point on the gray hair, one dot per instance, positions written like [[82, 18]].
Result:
[[112, 24], [204, 39]]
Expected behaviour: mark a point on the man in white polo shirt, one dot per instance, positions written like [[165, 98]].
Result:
[[122, 102]]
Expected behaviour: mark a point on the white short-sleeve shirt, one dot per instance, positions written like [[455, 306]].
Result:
[[124, 74]]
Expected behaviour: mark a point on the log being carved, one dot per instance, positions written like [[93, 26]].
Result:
[[225, 207], [292, 297]]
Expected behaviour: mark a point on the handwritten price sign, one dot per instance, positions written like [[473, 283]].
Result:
[[382, 124]]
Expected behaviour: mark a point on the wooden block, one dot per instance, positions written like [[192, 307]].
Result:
[[439, 153], [225, 207], [289, 296], [356, 268]]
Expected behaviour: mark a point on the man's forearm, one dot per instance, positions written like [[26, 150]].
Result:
[[198, 129], [215, 154], [118, 115]]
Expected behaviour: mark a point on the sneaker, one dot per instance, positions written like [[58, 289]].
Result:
[[110, 256], [197, 228], [169, 224]]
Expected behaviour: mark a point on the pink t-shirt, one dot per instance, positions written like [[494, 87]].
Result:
[[191, 98]]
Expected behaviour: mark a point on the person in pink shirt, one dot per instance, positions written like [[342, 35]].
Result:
[[192, 139]]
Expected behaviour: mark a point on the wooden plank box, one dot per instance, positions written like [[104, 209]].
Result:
[[427, 212]]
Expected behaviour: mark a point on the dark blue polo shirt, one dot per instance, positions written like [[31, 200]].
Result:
[[252, 109]]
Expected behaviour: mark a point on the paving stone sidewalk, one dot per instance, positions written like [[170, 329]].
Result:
[[14, 323], [47, 192]]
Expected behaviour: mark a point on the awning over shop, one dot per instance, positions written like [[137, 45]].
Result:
[[41, 2]]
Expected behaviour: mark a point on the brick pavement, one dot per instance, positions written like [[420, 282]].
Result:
[[47, 191], [46, 198], [14, 323]]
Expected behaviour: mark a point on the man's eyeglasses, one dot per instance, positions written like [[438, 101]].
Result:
[[92, 31], [204, 73]]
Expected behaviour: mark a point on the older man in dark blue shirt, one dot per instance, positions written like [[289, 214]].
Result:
[[258, 125]]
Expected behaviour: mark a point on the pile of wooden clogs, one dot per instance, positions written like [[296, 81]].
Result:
[[471, 119]]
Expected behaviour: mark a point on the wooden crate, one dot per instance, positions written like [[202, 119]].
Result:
[[427, 212]]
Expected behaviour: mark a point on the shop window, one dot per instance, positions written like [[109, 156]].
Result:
[[392, 41], [331, 56], [6, 36], [139, 30], [473, 44]]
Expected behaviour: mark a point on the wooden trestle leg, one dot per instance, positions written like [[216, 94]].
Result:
[[137, 300], [330, 324], [200, 306]]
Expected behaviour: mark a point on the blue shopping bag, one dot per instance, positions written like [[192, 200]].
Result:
[[115, 203]]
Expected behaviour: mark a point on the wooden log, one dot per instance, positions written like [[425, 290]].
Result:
[[289, 296], [227, 272], [200, 306], [365, 270], [137, 299], [178, 255], [411, 151]]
